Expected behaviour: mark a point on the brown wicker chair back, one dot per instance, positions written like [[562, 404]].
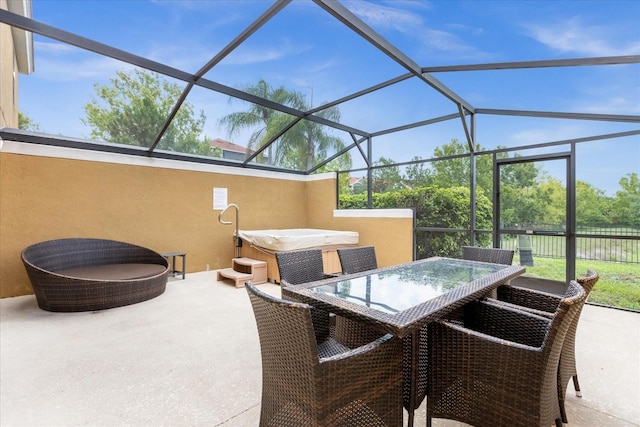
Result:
[[310, 383], [501, 367], [545, 304], [568, 368], [494, 255], [355, 260], [303, 266]]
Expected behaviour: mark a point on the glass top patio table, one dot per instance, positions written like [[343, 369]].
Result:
[[400, 298]]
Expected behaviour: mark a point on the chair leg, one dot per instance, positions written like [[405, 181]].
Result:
[[428, 421], [558, 422], [563, 414], [576, 386]]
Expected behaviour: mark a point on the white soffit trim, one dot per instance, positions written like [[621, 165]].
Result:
[[28, 149]]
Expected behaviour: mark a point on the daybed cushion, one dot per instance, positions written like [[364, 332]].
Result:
[[113, 271]]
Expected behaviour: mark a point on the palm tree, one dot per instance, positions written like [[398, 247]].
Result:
[[302, 145], [307, 142], [258, 116]]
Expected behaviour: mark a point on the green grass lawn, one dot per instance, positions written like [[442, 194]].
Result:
[[619, 284]]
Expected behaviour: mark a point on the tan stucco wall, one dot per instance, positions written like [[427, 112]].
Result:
[[163, 208], [47, 198], [8, 69]]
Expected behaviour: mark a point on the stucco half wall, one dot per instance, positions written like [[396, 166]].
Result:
[[53, 192]]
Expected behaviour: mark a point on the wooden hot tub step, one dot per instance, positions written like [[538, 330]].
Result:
[[245, 269], [237, 277]]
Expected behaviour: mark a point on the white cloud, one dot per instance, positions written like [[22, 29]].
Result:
[[574, 36], [186, 58], [444, 41], [400, 19], [549, 133], [53, 48], [612, 105], [68, 69], [259, 54], [386, 17]]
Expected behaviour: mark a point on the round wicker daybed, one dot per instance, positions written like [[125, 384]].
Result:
[[80, 274]]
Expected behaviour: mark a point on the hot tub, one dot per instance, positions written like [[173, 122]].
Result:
[[298, 238], [263, 244]]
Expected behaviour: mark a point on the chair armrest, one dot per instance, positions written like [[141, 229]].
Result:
[[506, 322], [535, 300], [372, 369], [359, 351], [494, 364], [519, 307], [472, 337]]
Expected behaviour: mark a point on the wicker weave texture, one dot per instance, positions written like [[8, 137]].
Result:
[[306, 383], [408, 324], [297, 267], [57, 292], [493, 255], [499, 368], [356, 260], [568, 368], [363, 258], [545, 304], [303, 266]]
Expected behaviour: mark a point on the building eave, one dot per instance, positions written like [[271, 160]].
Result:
[[22, 40]]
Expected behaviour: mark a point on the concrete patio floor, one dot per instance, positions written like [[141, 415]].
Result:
[[191, 357]]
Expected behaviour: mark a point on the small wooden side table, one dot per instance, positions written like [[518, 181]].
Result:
[[173, 256]]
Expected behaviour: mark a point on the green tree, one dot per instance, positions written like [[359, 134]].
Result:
[[25, 123], [387, 178], [307, 143], [455, 172], [304, 145], [626, 205], [452, 172], [593, 207], [133, 108], [518, 175], [417, 174]]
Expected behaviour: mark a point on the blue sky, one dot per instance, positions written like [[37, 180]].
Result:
[[305, 49]]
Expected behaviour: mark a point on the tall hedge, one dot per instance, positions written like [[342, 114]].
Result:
[[434, 207]]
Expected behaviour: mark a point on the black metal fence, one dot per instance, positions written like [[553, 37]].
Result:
[[589, 246]]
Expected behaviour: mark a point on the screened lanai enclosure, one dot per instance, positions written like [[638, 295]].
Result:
[[497, 134]]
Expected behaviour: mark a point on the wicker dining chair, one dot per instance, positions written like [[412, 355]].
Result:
[[500, 367], [358, 259], [303, 266], [494, 255], [545, 304], [311, 383]]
